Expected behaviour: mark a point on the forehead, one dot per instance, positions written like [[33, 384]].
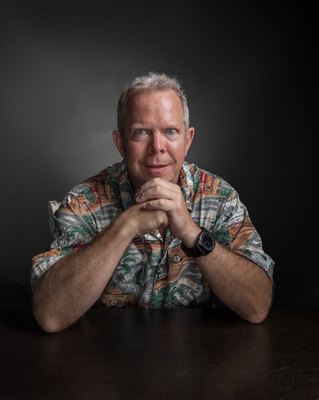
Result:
[[155, 104]]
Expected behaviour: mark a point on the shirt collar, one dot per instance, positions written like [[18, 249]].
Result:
[[186, 184], [127, 192]]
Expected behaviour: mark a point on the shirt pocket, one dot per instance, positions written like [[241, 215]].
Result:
[[115, 300]]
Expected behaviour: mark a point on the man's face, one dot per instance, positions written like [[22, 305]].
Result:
[[155, 142]]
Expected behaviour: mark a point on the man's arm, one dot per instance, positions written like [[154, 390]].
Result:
[[72, 285], [238, 282]]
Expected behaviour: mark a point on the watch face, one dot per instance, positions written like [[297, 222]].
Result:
[[204, 245], [207, 241]]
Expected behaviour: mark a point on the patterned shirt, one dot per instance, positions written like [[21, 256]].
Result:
[[153, 272]]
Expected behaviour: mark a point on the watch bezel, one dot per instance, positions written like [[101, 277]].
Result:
[[200, 249]]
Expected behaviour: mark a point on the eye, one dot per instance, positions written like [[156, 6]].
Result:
[[171, 131], [140, 132]]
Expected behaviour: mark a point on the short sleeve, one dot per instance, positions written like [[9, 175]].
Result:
[[234, 228], [74, 227]]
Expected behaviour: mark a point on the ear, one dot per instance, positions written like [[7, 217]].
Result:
[[189, 138], [118, 140]]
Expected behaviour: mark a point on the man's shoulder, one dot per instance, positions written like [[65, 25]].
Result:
[[204, 181], [99, 187]]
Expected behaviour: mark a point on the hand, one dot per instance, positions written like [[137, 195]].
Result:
[[161, 195], [143, 221]]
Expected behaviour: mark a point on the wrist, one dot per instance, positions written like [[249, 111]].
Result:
[[190, 238], [124, 227], [204, 245]]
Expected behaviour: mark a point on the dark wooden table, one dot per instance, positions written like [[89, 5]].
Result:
[[150, 354]]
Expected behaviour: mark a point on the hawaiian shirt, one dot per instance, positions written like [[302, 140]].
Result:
[[153, 271]]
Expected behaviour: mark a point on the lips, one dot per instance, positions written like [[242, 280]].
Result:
[[156, 167]]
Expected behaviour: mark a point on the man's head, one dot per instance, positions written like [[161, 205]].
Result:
[[150, 83], [153, 132]]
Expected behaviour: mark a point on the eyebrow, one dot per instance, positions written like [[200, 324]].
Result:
[[142, 126], [137, 126]]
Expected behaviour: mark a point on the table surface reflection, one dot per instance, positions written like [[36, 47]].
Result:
[[157, 354]]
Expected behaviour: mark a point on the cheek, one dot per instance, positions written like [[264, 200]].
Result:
[[178, 151], [134, 152]]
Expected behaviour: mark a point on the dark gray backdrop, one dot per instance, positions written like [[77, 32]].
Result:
[[250, 72]]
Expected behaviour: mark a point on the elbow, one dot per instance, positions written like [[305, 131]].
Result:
[[50, 327], [259, 315], [47, 323], [257, 318], [259, 308], [48, 320]]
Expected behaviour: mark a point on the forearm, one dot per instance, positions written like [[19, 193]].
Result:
[[238, 282], [71, 286]]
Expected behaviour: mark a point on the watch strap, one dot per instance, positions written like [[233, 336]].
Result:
[[200, 249]]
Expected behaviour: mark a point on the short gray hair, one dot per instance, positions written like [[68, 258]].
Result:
[[150, 83]]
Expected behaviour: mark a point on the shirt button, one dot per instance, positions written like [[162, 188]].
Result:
[[176, 258]]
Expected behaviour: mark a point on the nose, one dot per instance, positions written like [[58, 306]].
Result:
[[156, 143]]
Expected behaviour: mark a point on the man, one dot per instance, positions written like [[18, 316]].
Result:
[[151, 231]]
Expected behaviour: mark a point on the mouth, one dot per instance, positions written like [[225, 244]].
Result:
[[156, 167]]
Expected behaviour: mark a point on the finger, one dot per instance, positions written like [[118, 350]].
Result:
[[158, 191], [153, 193], [159, 204], [157, 182]]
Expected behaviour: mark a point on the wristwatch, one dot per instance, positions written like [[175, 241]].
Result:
[[205, 244]]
